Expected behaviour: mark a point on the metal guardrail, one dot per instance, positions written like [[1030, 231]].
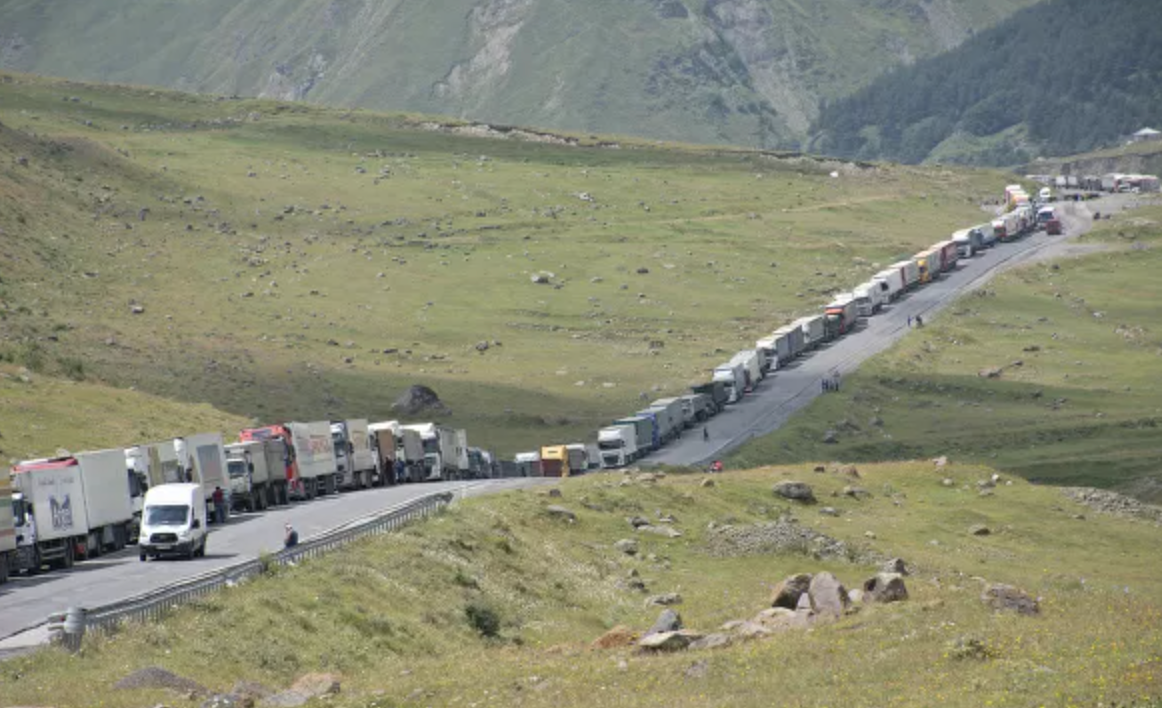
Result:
[[153, 604]]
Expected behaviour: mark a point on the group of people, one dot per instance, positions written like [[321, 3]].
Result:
[[918, 318]]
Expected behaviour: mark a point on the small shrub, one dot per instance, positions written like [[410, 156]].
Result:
[[969, 648], [465, 580], [483, 619]]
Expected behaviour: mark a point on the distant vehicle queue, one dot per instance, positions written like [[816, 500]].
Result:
[[163, 495]]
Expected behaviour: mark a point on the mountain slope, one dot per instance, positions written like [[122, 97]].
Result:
[[1058, 78], [748, 72]]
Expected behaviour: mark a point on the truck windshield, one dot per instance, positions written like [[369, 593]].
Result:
[[236, 468], [611, 444], [167, 515], [431, 446]]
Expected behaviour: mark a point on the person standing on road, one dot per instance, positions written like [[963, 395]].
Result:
[[705, 434], [291, 538], [219, 498], [909, 322], [919, 321]]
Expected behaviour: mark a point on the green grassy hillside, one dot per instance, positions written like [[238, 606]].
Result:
[[1077, 401], [746, 72], [399, 619], [291, 261]]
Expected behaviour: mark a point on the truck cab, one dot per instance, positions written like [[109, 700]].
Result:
[[618, 445]]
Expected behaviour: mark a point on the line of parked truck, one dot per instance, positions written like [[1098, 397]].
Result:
[[630, 438], [162, 496], [157, 495]]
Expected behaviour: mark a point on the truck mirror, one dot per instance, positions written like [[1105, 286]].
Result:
[[197, 524], [250, 466]]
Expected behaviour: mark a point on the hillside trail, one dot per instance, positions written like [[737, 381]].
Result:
[[795, 385]]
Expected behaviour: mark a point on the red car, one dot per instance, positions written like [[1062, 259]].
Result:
[[1053, 227]]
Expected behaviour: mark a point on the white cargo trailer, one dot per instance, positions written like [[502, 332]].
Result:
[[314, 451], [203, 457]]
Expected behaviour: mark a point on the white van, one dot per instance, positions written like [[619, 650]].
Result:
[[173, 522]]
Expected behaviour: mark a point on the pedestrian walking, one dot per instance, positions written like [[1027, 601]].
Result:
[[219, 498], [291, 538], [909, 322], [919, 321], [705, 434]]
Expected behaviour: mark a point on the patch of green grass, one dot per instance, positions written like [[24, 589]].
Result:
[[384, 614], [299, 262], [1077, 402]]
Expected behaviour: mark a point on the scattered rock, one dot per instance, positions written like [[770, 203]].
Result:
[[137, 309], [856, 492], [829, 511], [638, 521], [784, 536], [667, 531], [885, 587], [714, 640], [482, 347], [708, 482], [979, 530], [1008, 597], [155, 677], [895, 565], [795, 491], [850, 471], [1106, 502], [947, 482], [627, 546], [619, 636], [992, 372], [667, 621], [820, 469], [225, 700], [830, 437], [664, 600], [856, 596], [789, 590], [828, 596], [250, 689], [555, 492], [668, 641], [560, 512], [940, 461], [419, 399]]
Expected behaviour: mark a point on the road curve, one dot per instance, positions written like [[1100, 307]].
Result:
[[26, 601], [777, 397]]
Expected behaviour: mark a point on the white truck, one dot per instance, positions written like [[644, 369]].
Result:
[[314, 452], [463, 463], [407, 452], [578, 458], [618, 445], [203, 457], [71, 507], [441, 460], [254, 467], [749, 360], [732, 375], [8, 559], [910, 271], [813, 330], [528, 464], [869, 297], [893, 280], [354, 461]]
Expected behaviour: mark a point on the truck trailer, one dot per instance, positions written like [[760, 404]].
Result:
[[203, 457], [716, 391], [354, 461], [840, 316], [70, 508]]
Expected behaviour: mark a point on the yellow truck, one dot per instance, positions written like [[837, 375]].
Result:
[[555, 461]]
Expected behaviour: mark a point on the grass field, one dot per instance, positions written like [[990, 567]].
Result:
[[296, 262], [1081, 407], [390, 616]]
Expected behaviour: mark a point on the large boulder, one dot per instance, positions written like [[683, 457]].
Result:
[[156, 677], [795, 491], [668, 641], [627, 546], [307, 687], [419, 399], [885, 587], [664, 600], [787, 592], [560, 512], [667, 621], [895, 565], [1008, 597], [828, 596]]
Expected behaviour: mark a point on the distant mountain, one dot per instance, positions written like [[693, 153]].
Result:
[[1058, 78], [748, 72]]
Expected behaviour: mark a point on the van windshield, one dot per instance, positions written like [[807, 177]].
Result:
[[167, 515]]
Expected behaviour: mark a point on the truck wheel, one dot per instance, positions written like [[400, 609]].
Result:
[[119, 536], [201, 552], [3, 568], [70, 558], [141, 556], [92, 547]]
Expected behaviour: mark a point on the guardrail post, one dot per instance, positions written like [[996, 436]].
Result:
[[73, 629]]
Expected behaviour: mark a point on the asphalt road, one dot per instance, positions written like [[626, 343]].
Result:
[[26, 601], [777, 397]]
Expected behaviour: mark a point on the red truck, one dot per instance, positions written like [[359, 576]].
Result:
[[1053, 227]]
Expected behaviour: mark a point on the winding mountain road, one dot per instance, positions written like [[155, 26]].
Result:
[[26, 601]]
